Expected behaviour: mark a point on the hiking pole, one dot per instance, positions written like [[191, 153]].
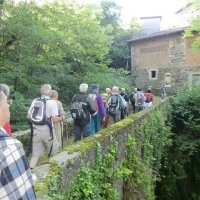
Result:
[[30, 141], [49, 124], [62, 133], [65, 131]]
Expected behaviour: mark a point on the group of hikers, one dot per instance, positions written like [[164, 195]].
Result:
[[90, 111]]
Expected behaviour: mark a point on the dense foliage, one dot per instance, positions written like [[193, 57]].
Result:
[[144, 153], [93, 182], [182, 161], [60, 43], [194, 25]]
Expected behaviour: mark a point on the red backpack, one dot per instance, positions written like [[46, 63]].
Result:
[[149, 97]]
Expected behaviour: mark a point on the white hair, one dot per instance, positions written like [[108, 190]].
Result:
[[115, 89], [83, 87], [45, 89], [5, 89]]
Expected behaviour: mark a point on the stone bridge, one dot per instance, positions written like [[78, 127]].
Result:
[[68, 161]]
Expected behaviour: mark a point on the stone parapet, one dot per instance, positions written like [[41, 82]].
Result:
[[68, 161]]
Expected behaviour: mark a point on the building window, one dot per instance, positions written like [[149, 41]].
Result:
[[153, 74]]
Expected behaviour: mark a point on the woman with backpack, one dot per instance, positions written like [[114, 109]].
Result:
[[148, 98], [58, 126]]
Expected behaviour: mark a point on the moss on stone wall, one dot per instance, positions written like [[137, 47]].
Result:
[[84, 147]]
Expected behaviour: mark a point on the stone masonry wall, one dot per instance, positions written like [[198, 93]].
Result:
[[182, 62], [68, 161]]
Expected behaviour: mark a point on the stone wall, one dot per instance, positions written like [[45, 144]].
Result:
[[68, 161], [168, 54]]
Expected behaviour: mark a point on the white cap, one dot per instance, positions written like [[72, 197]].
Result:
[[108, 89]]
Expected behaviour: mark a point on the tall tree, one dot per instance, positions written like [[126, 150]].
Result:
[[110, 15], [119, 52], [195, 25]]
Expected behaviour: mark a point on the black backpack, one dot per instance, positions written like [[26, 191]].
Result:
[[38, 112], [77, 108]]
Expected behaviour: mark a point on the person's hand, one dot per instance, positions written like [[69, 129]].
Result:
[[104, 118]]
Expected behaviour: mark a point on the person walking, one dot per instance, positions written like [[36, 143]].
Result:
[[82, 108], [114, 105], [125, 99], [6, 90], [148, 98], [95, 122], [16, 181], [43, 135], [105, 96], [58, 126], [163, 90], [132, 99], [139, 100]]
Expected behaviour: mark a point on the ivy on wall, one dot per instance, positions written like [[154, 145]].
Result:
[[145, 147], [93, 182]]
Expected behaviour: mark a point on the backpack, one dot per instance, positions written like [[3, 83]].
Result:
[[77, 110], [124, 102], [148, 97], [132, 98], [38, 112], [94, 98], [113, 104], [140, 99]]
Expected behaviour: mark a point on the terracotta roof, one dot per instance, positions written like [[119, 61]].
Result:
[[158, 34]]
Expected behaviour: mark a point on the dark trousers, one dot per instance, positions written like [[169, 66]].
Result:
[[122, 113], [80, 131], [138, 108]]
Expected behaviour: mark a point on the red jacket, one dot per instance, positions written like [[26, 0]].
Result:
[[7, 129]]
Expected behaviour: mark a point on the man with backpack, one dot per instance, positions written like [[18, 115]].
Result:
[[16, 180], [114, 104], [139, 100], [42, 113], [81, 110], [132, 99], [125, 99], [95, 122]]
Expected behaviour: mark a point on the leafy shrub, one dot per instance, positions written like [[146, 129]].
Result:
[[18, 111]]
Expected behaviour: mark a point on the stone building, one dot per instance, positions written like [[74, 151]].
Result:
[[164, 56]]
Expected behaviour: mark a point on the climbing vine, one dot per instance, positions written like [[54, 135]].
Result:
[[95, 182], [144, 153]]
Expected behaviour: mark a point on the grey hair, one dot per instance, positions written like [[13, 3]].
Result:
[[115, 89], [54, 94], [45, 89], [5, 89], [2, 95]]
